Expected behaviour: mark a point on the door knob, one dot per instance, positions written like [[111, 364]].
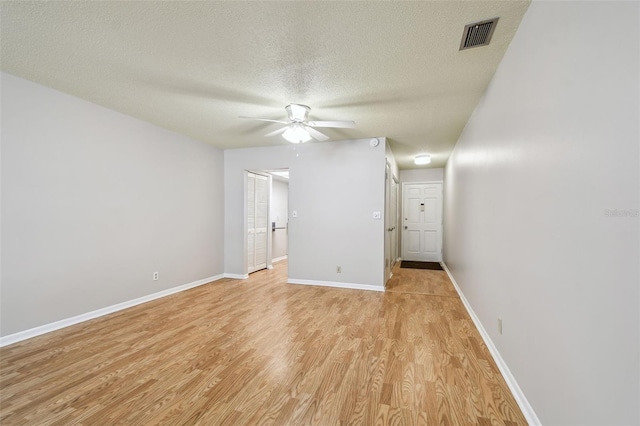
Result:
[[406, 227]]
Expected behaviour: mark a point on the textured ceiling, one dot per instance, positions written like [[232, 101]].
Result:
[[194, 67]]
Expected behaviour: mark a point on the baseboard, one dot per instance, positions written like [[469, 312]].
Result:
[[47, 328], [279, 259], [519, 396], [236, 276], [351, 286]]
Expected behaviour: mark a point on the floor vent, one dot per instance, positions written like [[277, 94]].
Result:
[[478, 34]]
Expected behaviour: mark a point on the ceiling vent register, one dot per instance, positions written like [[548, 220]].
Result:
[[478, 34]]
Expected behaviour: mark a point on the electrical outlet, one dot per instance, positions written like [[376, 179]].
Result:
[[155, 276], [500, 325], [339, 269]]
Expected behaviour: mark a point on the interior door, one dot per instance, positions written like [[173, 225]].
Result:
[[257, 221], [422, 224]]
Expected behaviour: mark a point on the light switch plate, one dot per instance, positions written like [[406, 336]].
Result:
[[376, 215], [294, 213]]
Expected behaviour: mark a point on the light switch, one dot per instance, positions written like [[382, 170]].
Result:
[[294, 213], [376, 215]]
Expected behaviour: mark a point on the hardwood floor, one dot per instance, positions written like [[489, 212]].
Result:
[[421, 281], [261, 351]]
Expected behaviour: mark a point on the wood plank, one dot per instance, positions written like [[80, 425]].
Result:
[[260, 351]]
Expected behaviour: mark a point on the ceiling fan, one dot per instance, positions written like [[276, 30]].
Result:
[[299, 129]]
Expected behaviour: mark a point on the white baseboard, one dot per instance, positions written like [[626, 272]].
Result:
[[351, 286], [278, 259], [37, 331], [236, 276], [519, 396]]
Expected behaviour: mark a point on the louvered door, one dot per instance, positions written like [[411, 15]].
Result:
[[257, 221]]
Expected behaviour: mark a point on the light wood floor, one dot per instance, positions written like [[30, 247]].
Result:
[[261, 351]]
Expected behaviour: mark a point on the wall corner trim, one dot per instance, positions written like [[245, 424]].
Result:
[[335, 284], [519, 396], [47, 328]]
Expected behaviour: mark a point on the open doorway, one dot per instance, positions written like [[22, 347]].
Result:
[[391, 222], [267, 199], [279, 215]]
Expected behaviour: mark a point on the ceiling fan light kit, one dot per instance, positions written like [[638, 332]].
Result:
[[299, 129], [422, 159], [296, 133]]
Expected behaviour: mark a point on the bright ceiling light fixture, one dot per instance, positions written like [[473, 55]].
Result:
[[299, 129], [296, 133], [422, 159]]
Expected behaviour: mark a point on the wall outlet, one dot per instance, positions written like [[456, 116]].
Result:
[[500, 325], [339, 269], [155, 276]]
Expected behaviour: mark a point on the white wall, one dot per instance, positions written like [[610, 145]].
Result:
[[279, 207], [93, 202], [549, 152], [334, 187], [422, 175]]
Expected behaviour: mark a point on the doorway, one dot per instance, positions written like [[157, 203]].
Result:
[[422, 222], [391, 222], [394, 221], [267, 237], [279, 214]]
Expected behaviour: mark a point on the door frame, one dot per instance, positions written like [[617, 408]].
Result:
[[390, 255], [387, 225], [271, 219], [395, 184], [401, 215]]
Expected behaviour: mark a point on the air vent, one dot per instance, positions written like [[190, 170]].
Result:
[[478, 34]]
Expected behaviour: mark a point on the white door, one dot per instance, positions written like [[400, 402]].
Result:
[[257, 221], [422, 222]]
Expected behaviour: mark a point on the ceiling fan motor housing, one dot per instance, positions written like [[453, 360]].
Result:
[[298, 113]]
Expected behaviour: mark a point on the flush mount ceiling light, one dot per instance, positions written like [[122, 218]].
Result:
[[422, 159], [296, 133]]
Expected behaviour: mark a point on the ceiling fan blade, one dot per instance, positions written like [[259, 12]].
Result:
[[265, 119], [338, 124], [277, 132], [317, 135]]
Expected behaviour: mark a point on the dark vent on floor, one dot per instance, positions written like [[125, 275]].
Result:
[[478, 34]]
